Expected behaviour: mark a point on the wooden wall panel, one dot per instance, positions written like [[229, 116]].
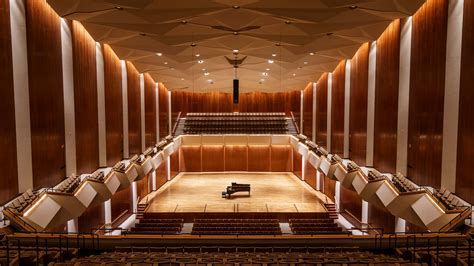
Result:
[[85, 100], [351, 202], [236, 158], [134, 112], [9, 180], [358, 105], [190, 159], [322, 110], [329, 187], [121, 201], [426, 107], [161, 175], [150, 111], [174, 165], [308, 111], [113, 106], [92, 218], [142, 187], [297, 164], [294, 101], [163, 106], [386, 99], [337, 108], [381, 218], [310, 175], [259, 158], [281, 158], [212, 158], [46, 93], [465, 156]]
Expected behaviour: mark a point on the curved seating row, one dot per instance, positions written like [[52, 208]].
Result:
[[49, 207], [403, 198]]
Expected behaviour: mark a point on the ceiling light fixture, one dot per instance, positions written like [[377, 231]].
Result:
[[236, 7], [353, 7], [311, 53], [236, 33], [206, 73], [200, 61], [235, 51], [270, 61], [184, 22], [287, 22], [119, 8], [165, 63], [198, 55], [264, 74], [267, 69], [305, 62], [274, 55], [159, 54]]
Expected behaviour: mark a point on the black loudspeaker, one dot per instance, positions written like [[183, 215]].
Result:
[[236, 91]]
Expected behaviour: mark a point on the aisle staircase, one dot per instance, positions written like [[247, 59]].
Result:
[[141, 210], [331, 207]]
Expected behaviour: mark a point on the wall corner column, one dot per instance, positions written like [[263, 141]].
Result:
[[347, 102], [371, 104]]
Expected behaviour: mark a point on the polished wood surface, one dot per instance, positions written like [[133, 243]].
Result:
[[281, 158], [213, 158], [308, 111], [134, 112], [465, 156], [310, 175], [161, 175], [297, 164], [91, 219], [142, 187], [259, 158], [322, 110], [121, 201], [163, 106], [269, 193], [329, 186], [381, 218], [337, 108], [190, 159], [113, 105], [236, 158], [351, 202], [386, 99], [85, 100], [426, 107], [46, 93], [150, 111], [9, 181], [358, 105], [294, 100], [174, 164]]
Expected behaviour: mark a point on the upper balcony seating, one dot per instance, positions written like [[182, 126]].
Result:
[[18, 204], [235, 123], [68, 185], [142, 164], [403, 184], [448, 199]]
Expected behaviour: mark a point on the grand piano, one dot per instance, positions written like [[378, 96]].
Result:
[[235, 187]]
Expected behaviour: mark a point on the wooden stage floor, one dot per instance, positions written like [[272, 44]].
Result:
[[270, 193]]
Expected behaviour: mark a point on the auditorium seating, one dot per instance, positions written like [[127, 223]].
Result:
[[236, 227], [278, 255], [426, 207], [235, 123], [47, 208], [157, 226]]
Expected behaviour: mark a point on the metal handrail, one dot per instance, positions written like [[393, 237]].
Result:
[[294, 122], [176, 124]]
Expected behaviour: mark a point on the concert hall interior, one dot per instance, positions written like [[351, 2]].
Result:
[[236, 132]]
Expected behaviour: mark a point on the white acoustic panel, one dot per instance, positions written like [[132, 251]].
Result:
[[426, 210], [386, 194], [43, 211], [86, 194]]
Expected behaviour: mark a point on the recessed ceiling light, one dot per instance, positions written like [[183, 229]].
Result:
[[236, 33], [206, 73], [184, 22], [203, 69], [236, 7], [200, 61], [274, 55], [353, 7], [210, 81], [287, 22], [165, 63], [294, 74], [119, 8], [182, 78], [267, 69], [299, 67], [305, 62], [311, 53], [262, 80], [264, 74], [172, 68], [197, 55], [235, 51], [277, 44], [193, 44], [270, 61], [159, 54]]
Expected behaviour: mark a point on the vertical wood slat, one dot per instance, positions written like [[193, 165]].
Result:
[[386, 99], [426, 104], [321, 110], [113, 106], [308, 111], [150, 112], [163, 106], [358, 105], [8, 156], [465, 153], [85, 99], [46, 93], [134, 112], [337, 113]]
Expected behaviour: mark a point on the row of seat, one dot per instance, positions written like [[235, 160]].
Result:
[[236, 227], [236, 114], [448, 199], [403, 184], [158, 226], [314, 226], [68, 185], [22, 201]]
